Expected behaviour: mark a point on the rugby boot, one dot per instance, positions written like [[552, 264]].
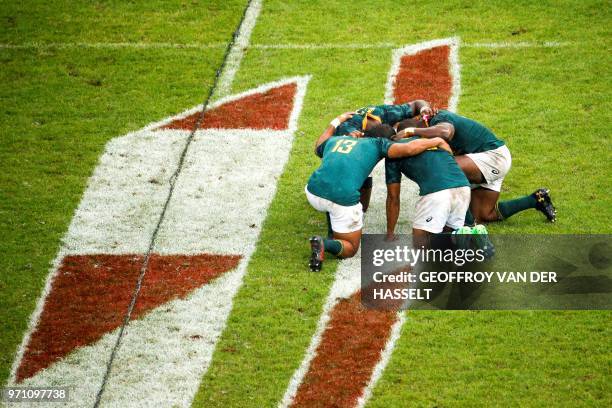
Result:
[[544, 204], [317, 253]]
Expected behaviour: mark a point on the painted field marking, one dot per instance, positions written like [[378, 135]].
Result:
[[311, 46], [428, 70], [198, 262], [328, 46], [111, 45], [397, 88], [237, 52]]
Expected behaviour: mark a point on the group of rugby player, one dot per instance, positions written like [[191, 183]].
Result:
[[458, 164]]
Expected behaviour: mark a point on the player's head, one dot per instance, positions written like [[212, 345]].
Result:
[[411, 122], [370, 121], [384, 131]]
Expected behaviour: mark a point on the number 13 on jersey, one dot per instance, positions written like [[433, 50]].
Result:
[[344, 146]]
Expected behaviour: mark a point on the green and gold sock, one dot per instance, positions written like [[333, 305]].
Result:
[[510, 207], [333, 246]]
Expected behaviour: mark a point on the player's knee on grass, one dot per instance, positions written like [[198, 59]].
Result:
[[348, 250], [483, 205], [350, 243], [485, 215]]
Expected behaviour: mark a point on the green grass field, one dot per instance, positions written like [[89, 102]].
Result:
[[60, 105]]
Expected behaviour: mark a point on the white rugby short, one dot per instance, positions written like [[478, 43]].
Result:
[[443, 208], [494, 165], [344, 219]]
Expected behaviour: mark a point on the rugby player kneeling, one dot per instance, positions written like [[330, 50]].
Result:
[[334, 187], [485, 159], [443, 188]]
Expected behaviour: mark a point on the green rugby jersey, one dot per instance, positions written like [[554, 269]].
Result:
[[388, 114], [433, 170], [470, 136], [347, 162]]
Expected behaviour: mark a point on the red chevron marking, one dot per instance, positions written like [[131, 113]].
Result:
[[266, 110], [91, 293]]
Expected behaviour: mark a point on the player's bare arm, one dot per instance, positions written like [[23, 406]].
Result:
[[393, 208], [398, 150], [445, 131], [329, 131]]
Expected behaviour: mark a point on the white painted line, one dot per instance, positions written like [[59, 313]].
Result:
[[119, 45], [519, 44], [237, 52], [35, 317], [126, 193], [455, 70], [323, 46], [309, 46], [385, 356], [359, 46]]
